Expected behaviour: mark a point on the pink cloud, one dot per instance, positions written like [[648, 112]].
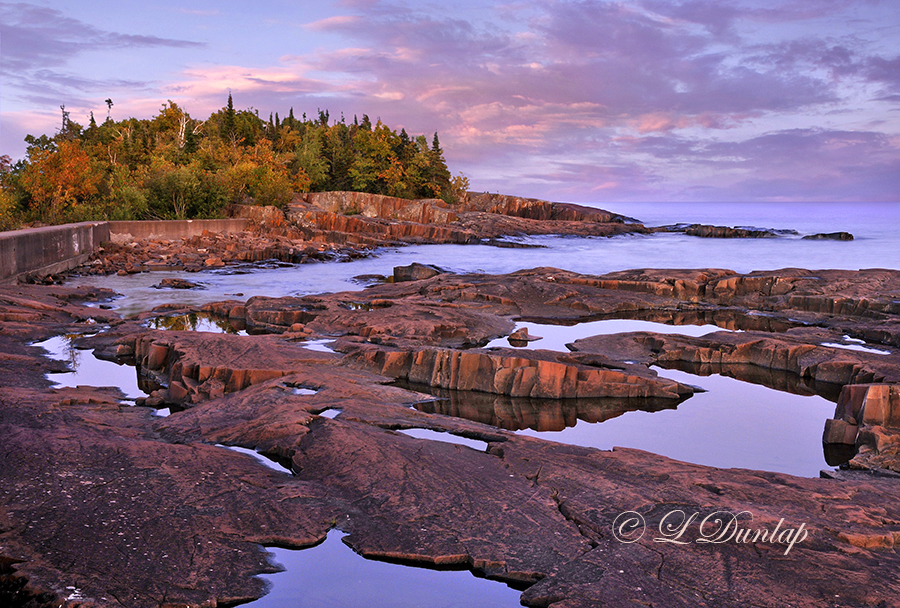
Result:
[[651, 98]]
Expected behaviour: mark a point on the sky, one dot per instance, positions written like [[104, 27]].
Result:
[[583, 101]]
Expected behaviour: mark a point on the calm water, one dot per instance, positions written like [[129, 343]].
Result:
[[875, 226], [88, 370], [363, 582], [733, 425], [556, 337]]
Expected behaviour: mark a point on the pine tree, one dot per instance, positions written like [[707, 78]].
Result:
[[228, 125]]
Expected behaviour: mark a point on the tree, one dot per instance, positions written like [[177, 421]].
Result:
[[58, 181], [459, 186], [109, 105], [8, 206], [172, 165], [228, 132]]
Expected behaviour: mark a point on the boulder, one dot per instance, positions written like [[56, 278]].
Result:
[[415, 272]]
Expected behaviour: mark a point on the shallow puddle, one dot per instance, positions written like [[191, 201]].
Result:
[[197, 322], [555, 337], [317, 345], [331, 575], [260, 458], [855, 345], [518, 413], [88, 370], [475, 444]]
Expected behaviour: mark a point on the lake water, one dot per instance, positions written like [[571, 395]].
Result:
[[876, 227]]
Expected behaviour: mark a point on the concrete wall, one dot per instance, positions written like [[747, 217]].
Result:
[[174, 229], [50, 249], [53, 249]]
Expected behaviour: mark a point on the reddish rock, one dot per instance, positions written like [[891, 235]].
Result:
[[415, 272], [150, 499]]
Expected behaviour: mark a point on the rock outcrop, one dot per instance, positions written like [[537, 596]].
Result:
[[829, 236], [103, 503]]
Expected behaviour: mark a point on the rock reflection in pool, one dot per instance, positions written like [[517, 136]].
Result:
[[88, 370], [198, 322], [734, 424], [331, 575], [518, 413]]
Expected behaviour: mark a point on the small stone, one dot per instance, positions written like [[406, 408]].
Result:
[[521, 337]]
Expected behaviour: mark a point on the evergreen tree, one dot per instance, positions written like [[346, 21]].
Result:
[[228, 125]]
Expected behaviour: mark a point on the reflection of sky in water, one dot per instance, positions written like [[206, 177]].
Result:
[[266, 462], [331, 575], [318, 345], [475, 444], [857, 347], [88, 369], [555, 337], [734, 424]]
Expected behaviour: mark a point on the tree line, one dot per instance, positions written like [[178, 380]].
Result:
[[173, 166]]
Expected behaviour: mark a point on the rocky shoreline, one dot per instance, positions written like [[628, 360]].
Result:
[[103, 503], [341, 226]]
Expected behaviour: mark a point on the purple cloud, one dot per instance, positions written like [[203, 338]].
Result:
[[596, 100], [35, 37]]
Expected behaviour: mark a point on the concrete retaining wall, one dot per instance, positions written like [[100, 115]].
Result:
[[175, 229], [53, 249], [49, 249]]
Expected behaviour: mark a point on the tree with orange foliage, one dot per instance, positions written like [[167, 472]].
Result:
[[58, 181]]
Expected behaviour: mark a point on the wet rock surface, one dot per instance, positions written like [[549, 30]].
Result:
[[105, 504]]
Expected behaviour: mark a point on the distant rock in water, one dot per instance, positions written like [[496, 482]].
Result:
[[829, 236], [177, 284], [726, 232], [508, 243], [738, 232]]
